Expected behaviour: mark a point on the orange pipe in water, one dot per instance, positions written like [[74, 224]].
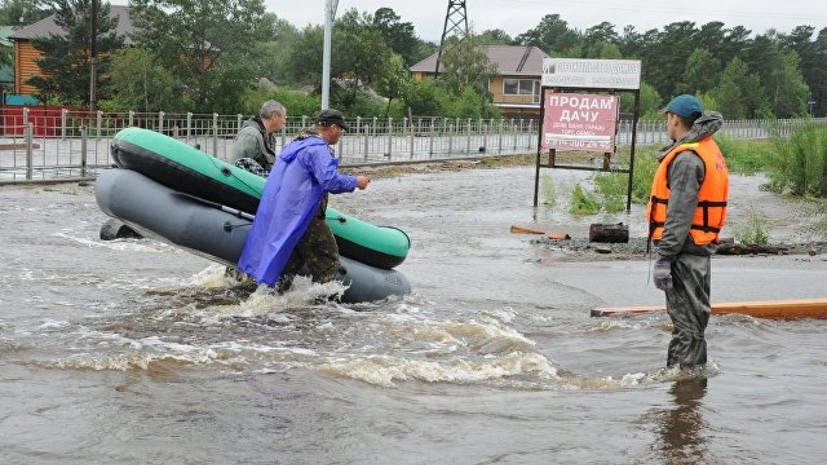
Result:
[[777, 309]]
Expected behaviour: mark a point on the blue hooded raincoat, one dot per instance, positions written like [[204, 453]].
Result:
[[304, 172]]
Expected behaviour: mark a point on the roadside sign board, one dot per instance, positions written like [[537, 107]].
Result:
[[591, 74], [581, 122]]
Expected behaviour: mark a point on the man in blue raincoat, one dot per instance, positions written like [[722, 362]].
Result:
[[289, 232]]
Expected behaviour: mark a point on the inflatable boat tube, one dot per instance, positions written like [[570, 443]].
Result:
[[174, 217], [186, 169]]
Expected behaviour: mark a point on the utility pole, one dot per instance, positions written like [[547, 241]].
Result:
[[457, 16], [93, 52], [329, 15]]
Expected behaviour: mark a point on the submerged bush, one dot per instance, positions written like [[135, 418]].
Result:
[[752, 230]]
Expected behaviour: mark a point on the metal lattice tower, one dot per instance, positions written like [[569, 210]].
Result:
[[456, 19]]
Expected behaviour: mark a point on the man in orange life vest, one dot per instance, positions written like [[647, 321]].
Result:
[[686, 212]]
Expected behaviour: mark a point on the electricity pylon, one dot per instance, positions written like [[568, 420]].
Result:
[[456, 18]]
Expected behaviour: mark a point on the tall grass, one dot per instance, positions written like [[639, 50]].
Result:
[[583, 202], [611, 187], [745, 156], [799, 162], [549, 192]]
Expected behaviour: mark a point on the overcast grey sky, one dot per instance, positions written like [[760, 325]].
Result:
[[517, 16]]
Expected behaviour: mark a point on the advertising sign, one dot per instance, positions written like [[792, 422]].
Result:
[[580, 122], [591, 74]]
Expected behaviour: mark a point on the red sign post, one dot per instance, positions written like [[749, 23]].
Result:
[[580, 122]]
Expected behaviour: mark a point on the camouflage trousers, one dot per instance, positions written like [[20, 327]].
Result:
[[249, 164], [687, 304], [316, 253]]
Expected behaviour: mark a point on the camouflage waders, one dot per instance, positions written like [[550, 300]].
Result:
[[687, 303], [316, 250]]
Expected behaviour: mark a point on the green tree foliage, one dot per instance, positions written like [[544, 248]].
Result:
[[398, 35], [650, 102], [465, 64], [495, 37], [601, 41], [66, 57], [780, 75], [140, 83], [553, 35], [360, 56], [208, 45], [817, 79], [216, 50], [297, 102], [813, 56], [702, 72], [426, 98], [23, 12], [668, 55], [739, 93], [273, 55], [394, 81], [305, 58]]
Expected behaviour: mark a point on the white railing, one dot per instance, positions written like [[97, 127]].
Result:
[[76, 144]]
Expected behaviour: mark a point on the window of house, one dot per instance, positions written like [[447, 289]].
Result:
[[522, 87]]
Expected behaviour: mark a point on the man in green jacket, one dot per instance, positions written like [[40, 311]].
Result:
[[254, 146]]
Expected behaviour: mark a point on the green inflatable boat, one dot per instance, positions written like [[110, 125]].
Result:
[[186, 169]]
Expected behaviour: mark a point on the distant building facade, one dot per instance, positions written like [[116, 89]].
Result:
[[26, 56], [516, 84]]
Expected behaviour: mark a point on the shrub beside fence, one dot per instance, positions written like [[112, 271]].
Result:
[[55, 143]]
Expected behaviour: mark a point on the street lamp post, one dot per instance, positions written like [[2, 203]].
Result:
[[329, 15], [93, 51]]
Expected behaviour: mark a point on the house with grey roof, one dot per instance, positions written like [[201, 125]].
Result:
[[516, 84]]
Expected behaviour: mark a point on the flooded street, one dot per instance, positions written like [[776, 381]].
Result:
[[133, 351]]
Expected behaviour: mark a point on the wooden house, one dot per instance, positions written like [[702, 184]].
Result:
[[25, 55], [516, 83]]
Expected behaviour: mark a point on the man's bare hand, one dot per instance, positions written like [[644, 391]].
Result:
[[362, 181]]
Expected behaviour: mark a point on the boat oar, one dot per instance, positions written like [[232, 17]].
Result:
[[224, 208], [552, 235], [524, 230]]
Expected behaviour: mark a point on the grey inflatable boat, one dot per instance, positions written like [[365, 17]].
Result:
[[214, 231]]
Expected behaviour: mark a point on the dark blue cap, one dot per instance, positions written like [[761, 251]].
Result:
[[685, 106]]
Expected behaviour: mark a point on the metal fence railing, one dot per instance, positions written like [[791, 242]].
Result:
[[71, 144]]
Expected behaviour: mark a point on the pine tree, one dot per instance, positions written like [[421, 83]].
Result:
[[65, 64]]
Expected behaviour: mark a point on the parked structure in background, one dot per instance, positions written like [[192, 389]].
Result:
[[516, 84]]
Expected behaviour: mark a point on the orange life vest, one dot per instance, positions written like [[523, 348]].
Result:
[[710, 213]]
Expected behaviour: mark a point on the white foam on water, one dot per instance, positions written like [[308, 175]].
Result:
[[385, 370], [124, 244], [413, 346], [145, 353], [609, 323], [50, 324], [630, 380]]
